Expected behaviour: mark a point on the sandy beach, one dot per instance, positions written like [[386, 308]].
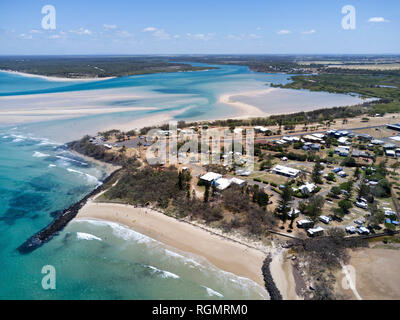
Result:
[[247, 110], [228, 254], [224, 254], [58, 79]]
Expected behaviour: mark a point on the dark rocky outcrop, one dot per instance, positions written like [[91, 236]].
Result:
[[63, 218], [270, 285]]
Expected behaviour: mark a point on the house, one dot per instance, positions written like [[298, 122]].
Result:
[[286, 171], [318, 135], [390, 213], [343, 140], [305, 224], [315, 232], [342, 133], [331, 132], [260, 129], [222, 184], [311, 138], [307, 188], [343, 152], [238, 182], [359, 154], [243, 173], [210, 177], [377, 142], [390, 153], [394, 126], [316, 146], [364, 137], [389, 146]]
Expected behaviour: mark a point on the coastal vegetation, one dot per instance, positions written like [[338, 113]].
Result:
[[383, 85], [92, 67], [169, 190]]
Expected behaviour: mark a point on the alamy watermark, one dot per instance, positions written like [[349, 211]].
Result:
[[49, 20], [216, 146], [49, 280], [349, 20]]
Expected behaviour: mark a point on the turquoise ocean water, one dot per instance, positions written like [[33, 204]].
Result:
[[99, 260]]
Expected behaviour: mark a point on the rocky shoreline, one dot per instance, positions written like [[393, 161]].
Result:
[[61, 221], [270, 285]]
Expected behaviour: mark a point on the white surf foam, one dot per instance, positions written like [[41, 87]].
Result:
[[87, 236], [186, 260], [90, 179], [212, 292], [164, 274], [121, 231], [71, 160], [38, 154]]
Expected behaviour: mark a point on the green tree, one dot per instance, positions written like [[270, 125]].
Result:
[[312, 207], [207, 193], [285, 202], [316, 174], [363, 189]]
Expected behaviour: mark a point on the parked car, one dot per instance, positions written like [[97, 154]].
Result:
[[324, 219], [363, 231], [361, 205], [359, 222], [351, 229]]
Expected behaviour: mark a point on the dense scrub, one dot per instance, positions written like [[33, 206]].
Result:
[[169, 190]]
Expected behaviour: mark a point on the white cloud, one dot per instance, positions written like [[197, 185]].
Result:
[[81, 31], [284, 31], [309, 31], [201, 36], [157, 33], [149, 29], [377, 19], [35, 31], [109, 26]]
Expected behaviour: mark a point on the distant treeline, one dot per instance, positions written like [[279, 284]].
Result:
[[92, 67]]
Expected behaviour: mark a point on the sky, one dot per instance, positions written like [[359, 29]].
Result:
[[199, 27]]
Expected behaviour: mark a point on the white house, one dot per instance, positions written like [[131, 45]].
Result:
[[239, 182], [315, 232], [222, 184], [211, 177], [307, 188], [286, 171], [304, 224], [390, 153]]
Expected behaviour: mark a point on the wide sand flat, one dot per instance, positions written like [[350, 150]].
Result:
[[377, 274]]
